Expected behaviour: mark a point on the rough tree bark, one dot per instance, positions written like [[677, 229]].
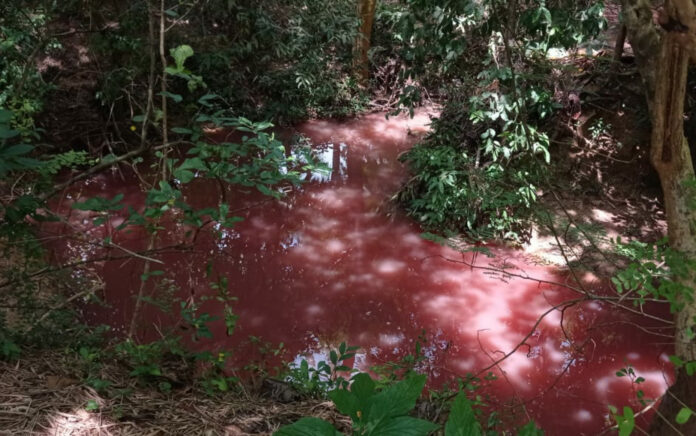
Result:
[[361, 62], [664, 72], [644, 39]]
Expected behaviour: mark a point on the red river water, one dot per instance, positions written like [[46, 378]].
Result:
[[335, 261]]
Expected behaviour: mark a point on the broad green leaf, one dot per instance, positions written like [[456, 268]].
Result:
[[180, 54], [26, 162], [626, 422], [195, 163], [684, 415], [16, 150], [8, 133], [308, 427], [184, 176], [346, 402], [363, 387], [404, 426], [398, 399], [5, 116], [462, 421]]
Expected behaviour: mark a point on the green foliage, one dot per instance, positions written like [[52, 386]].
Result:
[[684, 415], [22, 38], [626, 422], [327, 376], [386, 412], [453, 191], [258, 161], [180, 55], [265, 59], [70, 159], [309, 427], [146, 359], [479, 170], [462, 420], [530, 429], [14, 153], [372, 412], [297, 58], [9, 350], [654, 270]]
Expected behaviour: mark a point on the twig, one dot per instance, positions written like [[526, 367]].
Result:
[[134, 254], [66, 302], [531, 332]]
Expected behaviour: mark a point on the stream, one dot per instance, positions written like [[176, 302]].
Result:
[[336, 261]]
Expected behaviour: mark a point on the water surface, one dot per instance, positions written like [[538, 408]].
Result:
[[336, 261]]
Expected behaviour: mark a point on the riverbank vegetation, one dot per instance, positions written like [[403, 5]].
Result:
[[544, 113]]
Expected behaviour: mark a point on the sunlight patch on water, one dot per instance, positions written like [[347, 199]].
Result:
[[583, 415], [389, 266]]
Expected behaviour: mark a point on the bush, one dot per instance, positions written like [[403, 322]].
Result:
[[458, 187]]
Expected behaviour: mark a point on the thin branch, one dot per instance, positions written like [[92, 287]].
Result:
[[89, 291], [531, 332]]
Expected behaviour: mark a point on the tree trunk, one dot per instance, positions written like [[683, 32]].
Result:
[[361, 62], [620, 41], [671, 158], [644, 39]]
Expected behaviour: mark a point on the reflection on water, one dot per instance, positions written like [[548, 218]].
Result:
[[335, 261]]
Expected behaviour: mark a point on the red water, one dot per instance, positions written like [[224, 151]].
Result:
[[334, 261]]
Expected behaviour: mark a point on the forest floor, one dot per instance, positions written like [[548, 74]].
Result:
[[603, 186], [44, 393]]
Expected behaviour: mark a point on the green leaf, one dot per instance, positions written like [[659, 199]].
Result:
[[626, 422], [684, 415], [690, 368], [308, 427], [184, 176], [363, 387], [346, 402], [264, 190], [195, 163], [404, 426], [100, 204], [530, 430], [5, 116], [176, 97], [462, 421], [16, 150], [8, 133], [204, 99], [91, 406], [180, 54], [398, 399], [676, 361]]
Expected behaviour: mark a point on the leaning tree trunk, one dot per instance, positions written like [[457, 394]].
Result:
[[671, 158], [361, 61]]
